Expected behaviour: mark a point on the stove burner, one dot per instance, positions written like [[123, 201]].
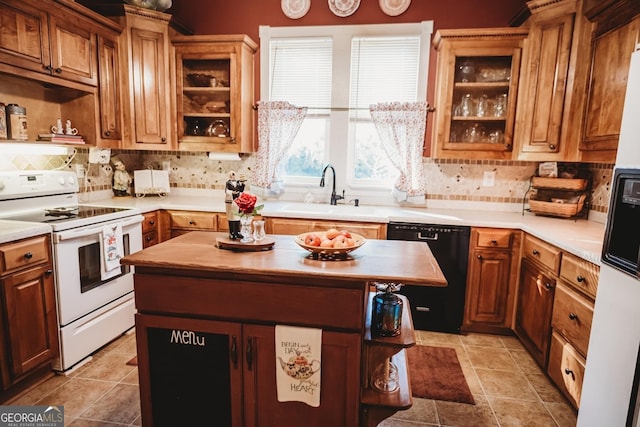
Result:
[[66, 212]]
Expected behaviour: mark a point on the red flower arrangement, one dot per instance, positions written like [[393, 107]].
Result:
[[247, 204]]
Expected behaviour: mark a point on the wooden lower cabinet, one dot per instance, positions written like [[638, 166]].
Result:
[[173, 223], [369, 230], [204, 368], [28, 320], [534, 310], [566, 368], [150, 229], [491, 280]]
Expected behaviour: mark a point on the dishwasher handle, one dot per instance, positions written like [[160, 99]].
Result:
[[431, 236]]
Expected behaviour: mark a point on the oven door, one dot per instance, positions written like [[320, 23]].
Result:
[[82, 282]]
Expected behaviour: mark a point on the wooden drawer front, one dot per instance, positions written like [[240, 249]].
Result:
[[223, 222], [572, 316], [542, 252], [24, 253], [251, 301], [581, 274], [150, 222], [194, 220], [297, 226], [490, 238], [566, 368]]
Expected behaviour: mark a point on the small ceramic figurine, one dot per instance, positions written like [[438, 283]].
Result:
[[58, 129], [68, 130], [121, 179], [233, 188]]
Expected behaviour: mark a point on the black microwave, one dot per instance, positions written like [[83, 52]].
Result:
[[621, 247]]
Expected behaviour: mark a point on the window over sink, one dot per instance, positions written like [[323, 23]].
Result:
[[337, 72]]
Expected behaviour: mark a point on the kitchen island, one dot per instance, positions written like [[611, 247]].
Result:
[[207, 319]]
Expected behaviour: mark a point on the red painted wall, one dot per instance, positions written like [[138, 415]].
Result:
[[245, 16]]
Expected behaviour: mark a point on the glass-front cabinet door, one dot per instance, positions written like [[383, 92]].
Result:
[[214, 81], [476, 90]]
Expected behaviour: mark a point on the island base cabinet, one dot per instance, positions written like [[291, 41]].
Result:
[[193, 369]]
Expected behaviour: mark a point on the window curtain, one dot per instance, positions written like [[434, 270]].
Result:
[[401, 127], [278, 124]]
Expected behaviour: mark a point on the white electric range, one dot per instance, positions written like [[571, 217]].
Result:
[[94, 293]]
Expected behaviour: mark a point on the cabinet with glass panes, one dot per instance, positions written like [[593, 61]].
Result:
[[214, 82], [476, 90]]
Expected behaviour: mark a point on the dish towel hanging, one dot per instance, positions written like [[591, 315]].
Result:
[[298, 362], [112, 250]]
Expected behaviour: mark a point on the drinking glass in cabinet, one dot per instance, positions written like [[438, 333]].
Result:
[[466, 108], [466, 71], [483, 106], [500, 105], [474, 133]]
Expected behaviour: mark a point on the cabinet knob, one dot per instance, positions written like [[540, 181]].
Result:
[[548, 286], [148, 239], [535, 252], [58, 70], [152, 222], [494, 242], [107, 133], [573, 316], [568, 371], [48, 68], [192, 222], [163, 139], [48, 272], [28, 255], [580, 279], [479, 257], [552, 146]]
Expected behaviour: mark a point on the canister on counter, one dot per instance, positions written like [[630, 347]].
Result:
[[17, 122], [3, 122]]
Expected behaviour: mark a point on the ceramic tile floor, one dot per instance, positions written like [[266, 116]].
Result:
[[508, 387]]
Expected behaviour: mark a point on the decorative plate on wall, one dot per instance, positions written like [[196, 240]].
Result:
[[343, 8], [295, 9], [394, 7]]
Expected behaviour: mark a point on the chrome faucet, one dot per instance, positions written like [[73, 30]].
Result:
[[334, 197]]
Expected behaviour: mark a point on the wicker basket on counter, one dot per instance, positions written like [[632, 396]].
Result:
[[557, 207], [573, 184]]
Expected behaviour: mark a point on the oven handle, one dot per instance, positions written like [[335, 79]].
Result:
[[91, 231]]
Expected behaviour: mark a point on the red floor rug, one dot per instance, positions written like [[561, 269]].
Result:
[[436, 374]]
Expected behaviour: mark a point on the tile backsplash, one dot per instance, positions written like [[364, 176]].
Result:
[[446, 180]]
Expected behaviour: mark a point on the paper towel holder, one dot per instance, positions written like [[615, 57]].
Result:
[[213, 155]]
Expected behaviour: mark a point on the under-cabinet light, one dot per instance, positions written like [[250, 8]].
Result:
[[34, 149]]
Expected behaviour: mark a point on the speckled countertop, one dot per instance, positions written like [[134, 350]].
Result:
[[580, 237]]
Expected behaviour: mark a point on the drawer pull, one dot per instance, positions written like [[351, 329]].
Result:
[[494, 242], [479, 257], [580, 279], [28, 255], [573, 316], [234, 351], [249, 354], [152, 222], [568, 371], [191, 222], [535, 252], [48, 272]]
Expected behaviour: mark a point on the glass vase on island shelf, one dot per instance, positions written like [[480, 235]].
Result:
[[247, 209]]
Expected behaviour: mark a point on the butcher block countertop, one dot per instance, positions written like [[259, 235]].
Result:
[[376, 260]]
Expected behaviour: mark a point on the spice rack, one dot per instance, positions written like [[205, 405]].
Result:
[[558, 197]]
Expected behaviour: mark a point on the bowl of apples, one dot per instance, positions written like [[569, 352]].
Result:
[[330, 243]]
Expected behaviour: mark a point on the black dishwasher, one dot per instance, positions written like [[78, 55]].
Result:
[[438, 309]]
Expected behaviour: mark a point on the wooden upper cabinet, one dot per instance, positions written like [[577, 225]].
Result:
[[543, 124], [48, 39], [214, 82], [476, 92], [110, 97], [24, 39], [614, 39], [145, 78]]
